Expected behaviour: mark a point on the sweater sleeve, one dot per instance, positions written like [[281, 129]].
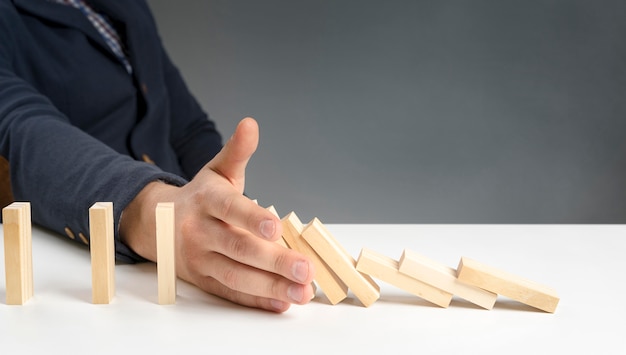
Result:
[[60, 169]]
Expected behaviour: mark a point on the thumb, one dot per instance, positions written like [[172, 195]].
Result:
[[232, 160]]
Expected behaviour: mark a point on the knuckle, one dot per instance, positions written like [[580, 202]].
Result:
[[198, 196], [188, 239], [239, 248], [191, 246], [188, 227], [230, 279], [275, 289], [281, 261], [226, 206]]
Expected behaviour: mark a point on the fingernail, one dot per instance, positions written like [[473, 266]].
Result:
[[267, 229], [295, 293], [278, 305], [300, 271]]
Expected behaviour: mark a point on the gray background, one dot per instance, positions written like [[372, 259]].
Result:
[[417, 111]]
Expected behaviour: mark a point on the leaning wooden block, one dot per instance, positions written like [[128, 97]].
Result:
[[334, 289], [18, 252], [102, 250], [338, 259], [281, 240], [444, 278], [506, 284], [166, 262], [386, 269]]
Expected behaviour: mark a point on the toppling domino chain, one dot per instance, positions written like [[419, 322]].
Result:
[[336, 270]]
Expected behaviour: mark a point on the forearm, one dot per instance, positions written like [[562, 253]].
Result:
[[61, 170]]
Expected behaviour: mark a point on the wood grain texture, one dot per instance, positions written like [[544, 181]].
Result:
[[340, 261], [386, 269], [506, 284], [443, 277], [18, 252], [166, 261], [102, 250], [331, 285]]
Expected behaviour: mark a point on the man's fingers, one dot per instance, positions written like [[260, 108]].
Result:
[[250, 280], [211, 285], [229, 204], [244, 248], [232, 160], [236, 209]]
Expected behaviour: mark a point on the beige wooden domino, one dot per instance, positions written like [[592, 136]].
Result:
[[334, 289], [28, 252], [528, 292], [281, 240], [338, 259], [18, 252], [386, 269], [102, 250], [444, 278], [166, 262]]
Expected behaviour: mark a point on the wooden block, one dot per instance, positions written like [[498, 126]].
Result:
[[18, 252], [338, 259], [386, 269], [334, 289], [443, 278], [102, 249], [166, 262], [281, 240], [528, 292], [28, 251]]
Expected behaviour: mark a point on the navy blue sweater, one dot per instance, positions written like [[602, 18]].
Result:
[[76, 128]]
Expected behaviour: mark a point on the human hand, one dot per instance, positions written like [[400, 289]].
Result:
[[224, 241]]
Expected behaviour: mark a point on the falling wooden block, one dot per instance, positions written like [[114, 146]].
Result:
[[334, 289], [18, 252], [508, 285], [102, 249], [338, 259], [281, 240], [166, 262], [386, 269], [444, 278]]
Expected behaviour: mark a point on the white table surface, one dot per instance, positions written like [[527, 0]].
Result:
[[585, 264]]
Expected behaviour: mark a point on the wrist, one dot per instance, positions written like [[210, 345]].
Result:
[[137, 222]]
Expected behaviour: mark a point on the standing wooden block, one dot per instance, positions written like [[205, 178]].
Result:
[[166, 262], [102, 249], [506, 284], [28, 232], [386, 269], [18, 252], [444, 278], [334, 289], [338, 259]]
